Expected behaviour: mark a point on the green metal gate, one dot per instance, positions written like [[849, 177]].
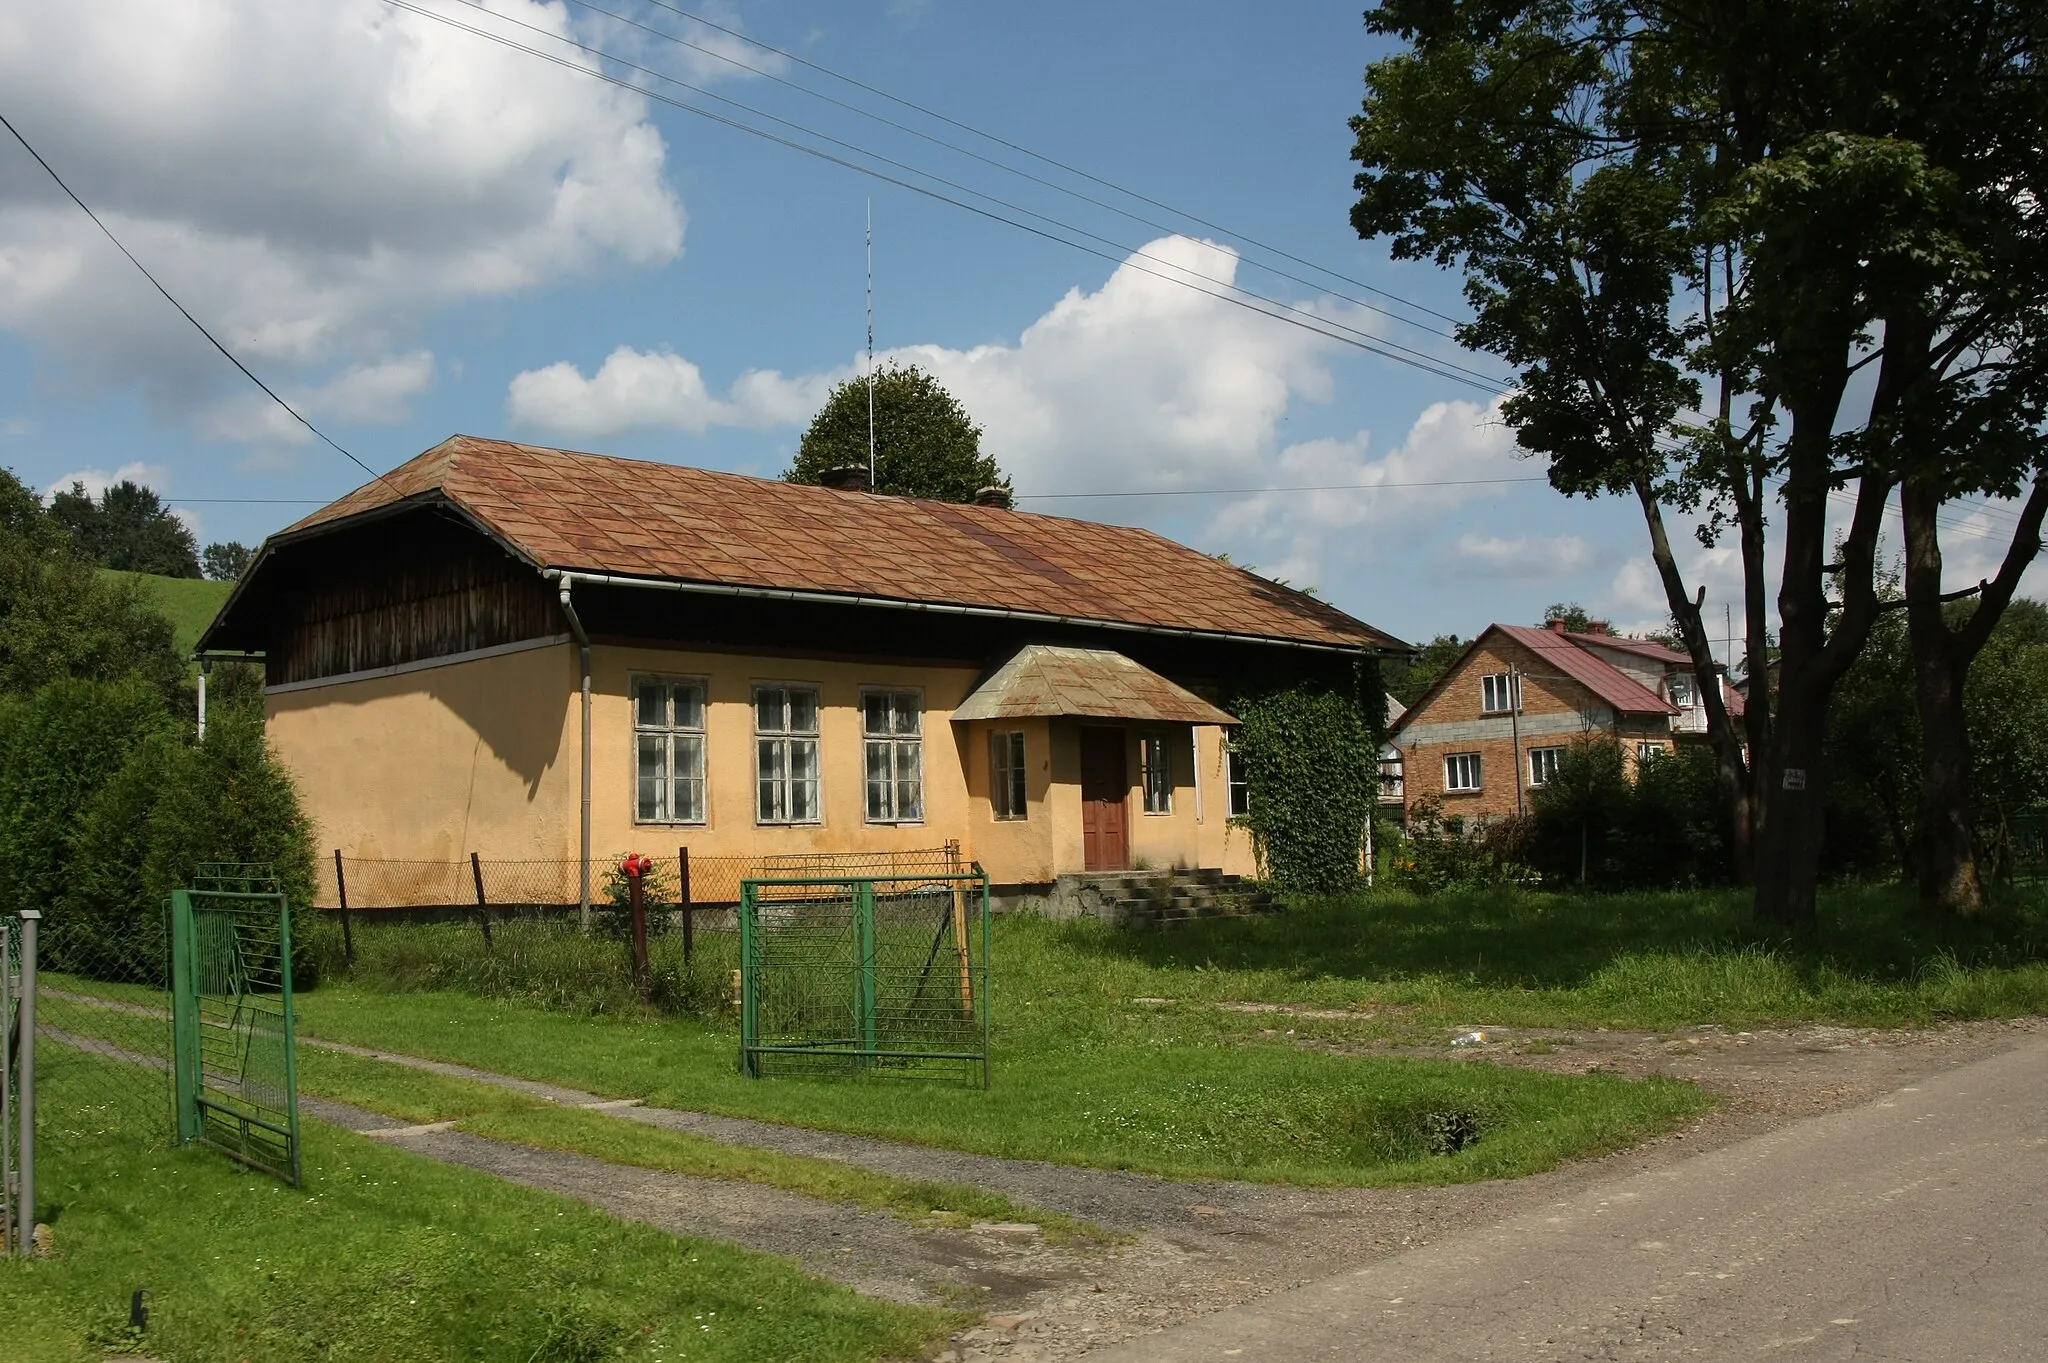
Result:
[[231, 1007], [865, 973]]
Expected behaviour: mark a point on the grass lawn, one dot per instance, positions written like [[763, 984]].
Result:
[[386, 1256], [1088, 1074], [190, 602]]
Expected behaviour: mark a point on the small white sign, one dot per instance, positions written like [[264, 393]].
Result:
[[1795, 778]]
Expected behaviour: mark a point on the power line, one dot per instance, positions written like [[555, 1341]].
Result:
[[1302, 318], [1253, 491], [182, 309], [1005, 166]]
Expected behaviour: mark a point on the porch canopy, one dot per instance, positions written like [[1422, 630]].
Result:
[[1091, 683]]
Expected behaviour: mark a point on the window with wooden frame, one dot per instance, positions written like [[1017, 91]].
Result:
[[668, 750], [892, 730], [1006, 774], [1236, 778], [1500, 692], [1461, 771], [1155, 772], [786, 754], [1543, 765]]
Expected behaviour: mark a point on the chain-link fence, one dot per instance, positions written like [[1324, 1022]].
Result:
[[103, 1030], [878, 973]]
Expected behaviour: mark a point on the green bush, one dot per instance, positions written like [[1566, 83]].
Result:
[[1448, 852], [1664, 828], [62, 746]]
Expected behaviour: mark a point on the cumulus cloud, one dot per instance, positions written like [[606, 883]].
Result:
[[97, 480], [634, 390], [1527, 557], [374, 392], [310, 179]]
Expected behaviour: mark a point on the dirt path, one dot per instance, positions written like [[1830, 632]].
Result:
[[1201, 1246]]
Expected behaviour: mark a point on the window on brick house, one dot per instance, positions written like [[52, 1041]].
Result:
[[1647, 753], [1461, 771], [1543, 765], [1500, 692], [1006, 774]]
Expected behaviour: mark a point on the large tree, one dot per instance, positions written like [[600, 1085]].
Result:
[[1702, 233], [127, 527], [925, 444]]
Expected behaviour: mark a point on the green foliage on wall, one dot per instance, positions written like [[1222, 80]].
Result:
[[1311, 756]]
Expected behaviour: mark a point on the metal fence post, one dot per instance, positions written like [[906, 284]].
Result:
[[291, 1050], [750, 986], [185, 1059], [348, 936], [483, 908], [25, 1105], [683, 898], [6, 1088]]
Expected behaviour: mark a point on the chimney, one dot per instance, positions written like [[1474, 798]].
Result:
[[1555, 626], [845, 478], [993, 496], [1597, 627]]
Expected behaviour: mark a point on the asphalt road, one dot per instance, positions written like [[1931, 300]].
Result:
[[1912, 1228]]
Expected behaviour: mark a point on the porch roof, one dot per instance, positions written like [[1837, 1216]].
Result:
[[1092, 683]]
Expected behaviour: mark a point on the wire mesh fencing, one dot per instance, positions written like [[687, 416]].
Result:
[[865, 973], [103, 1029]]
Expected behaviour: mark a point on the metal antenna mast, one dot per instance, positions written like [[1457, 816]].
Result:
[[871, 344]]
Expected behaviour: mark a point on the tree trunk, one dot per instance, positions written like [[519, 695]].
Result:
[[1788, 840], [1945, 856]]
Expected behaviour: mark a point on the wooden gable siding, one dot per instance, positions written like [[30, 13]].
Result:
[[400, 591]]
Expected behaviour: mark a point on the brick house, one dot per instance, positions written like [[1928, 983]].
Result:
[[1493, 727]]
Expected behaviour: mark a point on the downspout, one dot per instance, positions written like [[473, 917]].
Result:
[[583, 647]]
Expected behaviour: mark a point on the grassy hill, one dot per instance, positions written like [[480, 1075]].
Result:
[[190, 602]]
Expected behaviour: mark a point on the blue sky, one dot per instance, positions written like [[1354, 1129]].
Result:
[[413, 232]]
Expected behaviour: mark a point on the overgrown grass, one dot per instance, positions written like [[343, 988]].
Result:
[[386, 1256], [189, 602]]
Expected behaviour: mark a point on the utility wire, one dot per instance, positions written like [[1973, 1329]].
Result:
[[1001, 165], [1047, 160], [182, 309], [1306, 320], [1254, 491]]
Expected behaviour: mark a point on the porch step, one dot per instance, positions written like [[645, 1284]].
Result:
[[1148, 899]]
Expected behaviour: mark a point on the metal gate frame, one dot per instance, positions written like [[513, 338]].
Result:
[[231, 992], [865, 1047]]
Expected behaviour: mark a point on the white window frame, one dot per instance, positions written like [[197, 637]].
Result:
[[778, 752], [1685, 682], [1009, 775], [895, 797], [1237, 781], [663, 740], [1543, 764], [1460, 764], [1155, 773], [1647, 752], [1499, 693]]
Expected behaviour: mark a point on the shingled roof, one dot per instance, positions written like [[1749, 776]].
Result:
[[595, 513], [1572, 655]]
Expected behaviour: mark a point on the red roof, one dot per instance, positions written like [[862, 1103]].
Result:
[[596, 513], [1571, 655]]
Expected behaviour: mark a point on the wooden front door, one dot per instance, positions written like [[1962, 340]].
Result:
[[1105, 801]]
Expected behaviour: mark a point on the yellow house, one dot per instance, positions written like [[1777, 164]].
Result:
[[534, 654]]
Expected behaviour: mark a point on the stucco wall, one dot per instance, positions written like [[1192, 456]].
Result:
[[483, 756]]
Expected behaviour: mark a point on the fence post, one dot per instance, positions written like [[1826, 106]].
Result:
[[185, 1059], [750, 985], [7, 1150], [483, 908], [636, 896], [348, 936], [689, 910], [25, 1106]]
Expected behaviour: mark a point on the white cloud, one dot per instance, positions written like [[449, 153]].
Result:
[[635, 390], [311, 179], [374, 392], [1527, 557], [96, 480]]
